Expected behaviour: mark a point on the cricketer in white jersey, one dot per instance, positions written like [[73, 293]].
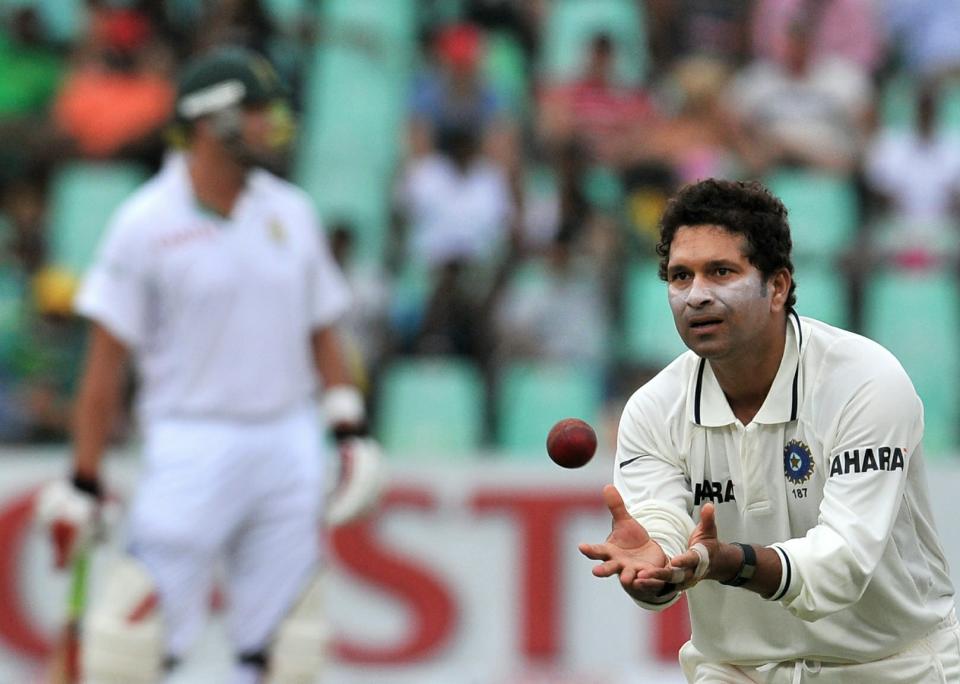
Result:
[[818, 471], [216, 279], [218, 314]]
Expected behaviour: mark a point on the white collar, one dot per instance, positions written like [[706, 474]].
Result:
[[708, 406]]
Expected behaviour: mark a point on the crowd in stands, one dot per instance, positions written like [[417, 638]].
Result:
[[542, 138]]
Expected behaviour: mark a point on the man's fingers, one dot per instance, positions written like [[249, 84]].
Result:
[[600, 552], [669, 573], [614, 502], [595, 551], [687, 560], [607, 569]]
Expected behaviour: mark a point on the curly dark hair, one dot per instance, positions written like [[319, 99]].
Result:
[[745, 207]]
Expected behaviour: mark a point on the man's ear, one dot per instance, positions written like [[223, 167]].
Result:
[[780, 283]]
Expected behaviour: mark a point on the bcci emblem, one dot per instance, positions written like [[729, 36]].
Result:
[[797, 462]]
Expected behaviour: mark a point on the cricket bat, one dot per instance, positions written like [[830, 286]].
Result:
[[64, 667]]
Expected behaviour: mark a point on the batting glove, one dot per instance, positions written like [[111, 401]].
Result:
[[362, 476], [69, 510]]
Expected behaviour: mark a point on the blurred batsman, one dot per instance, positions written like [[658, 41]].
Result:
[[774, 473], [215, 277]]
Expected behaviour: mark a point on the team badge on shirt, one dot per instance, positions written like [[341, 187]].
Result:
[[277, 232], [797, 462]]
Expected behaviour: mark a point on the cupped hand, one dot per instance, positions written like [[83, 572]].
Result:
[[628, 552]]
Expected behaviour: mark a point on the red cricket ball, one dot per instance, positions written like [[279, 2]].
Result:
[[571, 443]]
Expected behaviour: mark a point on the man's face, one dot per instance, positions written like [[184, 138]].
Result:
[[721, 303], [265, 134]]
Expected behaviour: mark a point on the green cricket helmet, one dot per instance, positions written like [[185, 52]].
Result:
[[223, 81], [227, 77]]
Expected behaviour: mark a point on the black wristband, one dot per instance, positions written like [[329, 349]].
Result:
[[747, 569], [88, 485], [346, 431]]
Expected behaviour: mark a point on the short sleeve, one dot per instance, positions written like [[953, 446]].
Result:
[[114, 291]]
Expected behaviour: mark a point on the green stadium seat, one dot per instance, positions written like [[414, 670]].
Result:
[[823, 210], [650, 335], [822, 294], [84, 195], [571, 25], [916, 315], [355, 104], [431, 408], [531, 397]]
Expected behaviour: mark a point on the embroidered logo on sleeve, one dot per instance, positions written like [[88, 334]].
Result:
[[797, 462], [865, 460]]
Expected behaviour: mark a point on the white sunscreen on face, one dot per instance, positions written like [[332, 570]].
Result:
[[725, 295]]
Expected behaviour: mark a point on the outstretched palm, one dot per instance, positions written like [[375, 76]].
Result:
[[628, 551]]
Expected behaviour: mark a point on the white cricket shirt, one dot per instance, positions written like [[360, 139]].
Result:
[[830, 472], [217, 311]]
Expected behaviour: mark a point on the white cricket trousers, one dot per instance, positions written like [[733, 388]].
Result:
[[235, 501], [934, 659]]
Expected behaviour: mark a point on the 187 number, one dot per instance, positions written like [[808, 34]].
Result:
[[800, 493]]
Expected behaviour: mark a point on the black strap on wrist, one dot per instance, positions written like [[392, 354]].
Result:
[[747, 569], [89, 485], [347, 431]]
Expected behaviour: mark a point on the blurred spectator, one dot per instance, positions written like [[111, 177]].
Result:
[[456, 315], [118, 94], [451, 93], [32, 70], [848, 29], [458, 209], [563, 285], [714, 29], [697, 140], [595, 111], [31, 67], [807, 111], [457, 204], [925, 34], [915, 175]]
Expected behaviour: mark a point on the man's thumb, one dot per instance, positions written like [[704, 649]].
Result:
[[614, 502], [708, 522]]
